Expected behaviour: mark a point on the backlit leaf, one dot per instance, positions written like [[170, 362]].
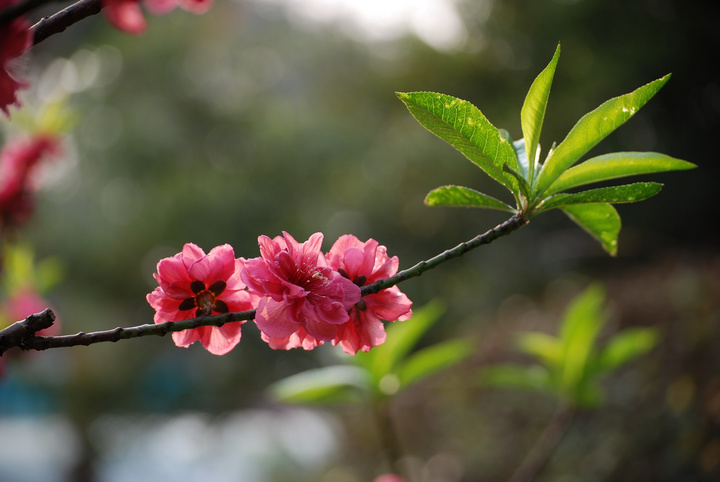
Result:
[[464, 197], [601, 221], [627, 193]]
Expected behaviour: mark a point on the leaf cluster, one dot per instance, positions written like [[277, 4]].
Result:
[[541, 186], [570, 364], [383, 371]]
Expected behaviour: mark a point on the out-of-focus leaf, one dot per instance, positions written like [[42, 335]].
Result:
[[581, 323], [48, 274], [626, 193], [464, 127], [532, 377], [625, 346], [601, 221], [533, 110], [546, 347], [616, 165], [592, 128], [433, 359], [587, 395], [464, 197], [321, 385], [401, 338]]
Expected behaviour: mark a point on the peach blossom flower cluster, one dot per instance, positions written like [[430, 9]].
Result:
[[302, 297]]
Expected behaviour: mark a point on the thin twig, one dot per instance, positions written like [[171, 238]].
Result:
[[22, 333], [543, 449], [515, 222], [60, 21]]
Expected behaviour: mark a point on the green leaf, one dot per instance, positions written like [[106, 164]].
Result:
[[521, 154], [464, 197], [321, 385], [533, 110], [625, 346], [592, 128], [402, 336], [464, 127], [615, 165], [432, 359], [627, 193], [545, 347], [580, 327], [533, 377], [601, 221]]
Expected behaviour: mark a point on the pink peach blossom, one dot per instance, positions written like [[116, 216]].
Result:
[[193, 284], [303, 300], [19, 160], [365, 263], [15, 39], [127, 16]]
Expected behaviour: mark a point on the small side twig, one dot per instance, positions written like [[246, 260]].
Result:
[[543, 449], [59, 22]]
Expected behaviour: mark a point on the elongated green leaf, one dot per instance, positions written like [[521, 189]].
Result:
[[533, 110], [601, 221], [321, 385], [533, 377], [546, 347], [625, 346], [627, 193], [580, 327], [521, 154], [592, 128], [615, 165], [464, 197], [464, 127], [433, 359]]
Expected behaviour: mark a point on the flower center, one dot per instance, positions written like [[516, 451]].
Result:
[[205, 301]]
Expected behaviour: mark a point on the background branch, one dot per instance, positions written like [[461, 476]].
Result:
[[22, 333], [60, 21]]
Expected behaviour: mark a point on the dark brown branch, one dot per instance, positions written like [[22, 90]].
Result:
[[25, 339], [60, 21], [17, 333], [515, 222], [22, 333]]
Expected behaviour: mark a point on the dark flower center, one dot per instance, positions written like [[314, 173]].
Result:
[[359, 280], [205, 301]]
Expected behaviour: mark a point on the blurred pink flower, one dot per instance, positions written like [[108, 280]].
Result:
[[24, 302], [365, 263], [15, 39], [127, 16], [389, 478], [194, 284], [303, 300], [19, 159]]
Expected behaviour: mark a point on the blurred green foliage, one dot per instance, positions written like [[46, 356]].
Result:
[[571, 364]]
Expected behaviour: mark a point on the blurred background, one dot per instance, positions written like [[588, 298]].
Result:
[[269, 115]]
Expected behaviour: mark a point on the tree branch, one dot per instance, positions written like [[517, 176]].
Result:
[[515, 222], [60, 21], [22, 333]]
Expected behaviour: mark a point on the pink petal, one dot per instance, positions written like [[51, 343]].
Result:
[[271, 318], [220, 340], [160, 7], [195, 6], [389, 304], [125, 15]]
